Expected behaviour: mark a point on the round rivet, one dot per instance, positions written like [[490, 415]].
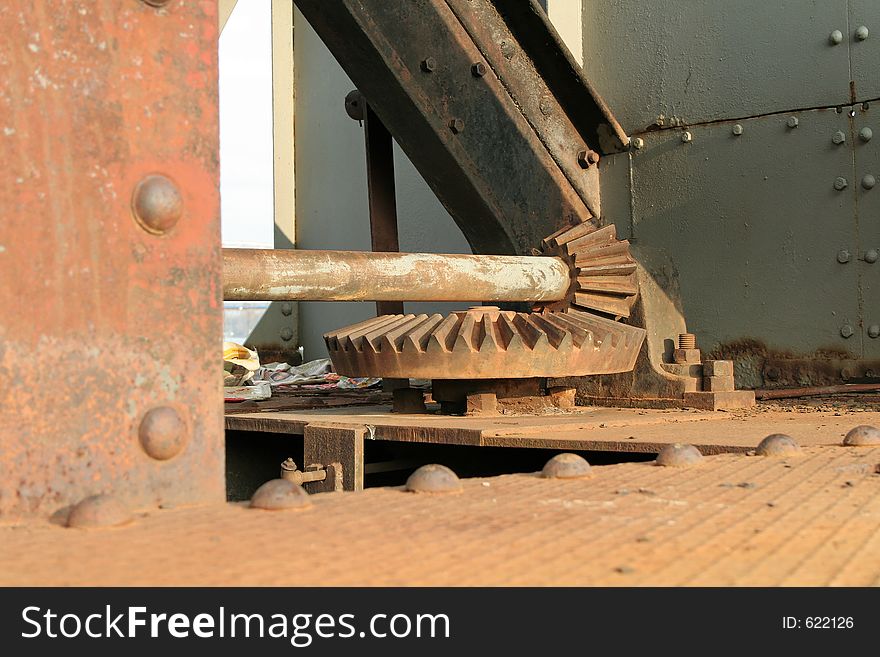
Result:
[[846, 331], [843, 256], [98, 511], [637, 143], [566, 466], [428, 64], [163, 433], [874, 331], [678, 455], [456, 125], [478, 70], [156, 3], [157, 204], [865, 134], [840, 183], [433, 478], [280, 494], [772, 373], [354, 105], [777, 444], [836, 37], [839, 137], [737, 129], [861, 33], [286, 333], [792, 122], [862, 435], [871, 256], [868, 181], [686, 137], [287, 309]]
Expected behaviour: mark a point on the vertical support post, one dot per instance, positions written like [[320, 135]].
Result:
[[340, 449]]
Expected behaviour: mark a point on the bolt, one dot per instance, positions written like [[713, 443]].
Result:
[[678, 455], [638, 143], [433, 478], [354, 105], [687, 341], [846, 331], [865, 134], [868, 181], [279, 494], [843, 256], [566, 466], [861, 33], [777, 444], [288, 465], [737, 129], [840, 183], [587, 158], [862, 435], [456, 125], [98, 511], [874, 331], [156, 204], [478, 70], [686, 137], [428, 64], [792, 122], [286, 309], [163, 433], [839, 137], [836, 37], [871, 256], [286, 333]]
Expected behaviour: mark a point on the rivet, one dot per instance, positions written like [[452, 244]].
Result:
[[280, 494], [868, 181], [286, 333], [638, 143], [836, 37], [773, 373], [777, 444], [156, 3], [792, 122], [874, 331], [839, 137], [566, 466], [478, 70], [287, 309], [678, 455], [686, 137], [846, 331], [354, 105], [98, 511], [545, 105], [861, 33], [163, 433], [871, 256], [157, 204], [433, 478], [737, 129], [865, 134], [862, 435], [428, 64], [843, 256], [456, 125], [846, 374], [840, 183]]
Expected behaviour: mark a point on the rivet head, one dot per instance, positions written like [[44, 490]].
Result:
[[156, 3], [478, 70], [874, 331], [287, 309], [678, 455], [456, 125], [280, 494], [566, 466], [792, 122], [286, 333], [846, 331], [843, 256], [157, 204], [163, 433], [868, 181], [433, 478], [836, 37], [840, 183], [428, 64], [638, 143], [98, 511], [777, 444], [686, 137], [861, 33], [862, 435], [865, 134], [839, 137], [354, 105], [871, 256], [772, 373], [737, 129]]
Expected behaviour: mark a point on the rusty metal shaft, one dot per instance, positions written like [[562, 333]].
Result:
[[295, 275]]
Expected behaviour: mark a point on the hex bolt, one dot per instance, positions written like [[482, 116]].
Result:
[[874, 331], [868, 181], [286, 333], [846, 331], [843, 256], [836, 37], [687, 341], [686, 137], [871, 256], [839, 137], [163, 433], [737, 129], [792, 122], [156, 204], [478, 70], [428, 64], [638, 143], [456, 125], [865, 134], [861, 33], [587, 158], [840, 183]]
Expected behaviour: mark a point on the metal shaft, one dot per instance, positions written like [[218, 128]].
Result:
[[294, 275]]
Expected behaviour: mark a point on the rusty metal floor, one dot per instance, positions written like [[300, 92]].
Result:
[[736, 519]]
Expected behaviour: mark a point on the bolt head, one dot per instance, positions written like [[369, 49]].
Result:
[[428, 65], [737, 129], [163, 433], [638, 143], [840, 183], [846, 331], [861, 33], [843, 256], [456, 125], [478, 70], [792, 122], [686, 137], [871, 256], [156, 204], [354, 105], [839, 137], [868, 181], [874, 331], [836, 37], [865, 134]]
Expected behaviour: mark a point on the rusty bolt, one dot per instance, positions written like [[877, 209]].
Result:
[[846, 331], [840, 183], [157, 204], [428, 64], [678, 455], [836, 37], [687, 341], [456, 125], [587, 158], [433, 478], [288, 465], [163, 433], [478, 70], [566, 466], [874, 331], [863, 435], [354, 105], [777, 444], [98, 511], [280, 494]]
